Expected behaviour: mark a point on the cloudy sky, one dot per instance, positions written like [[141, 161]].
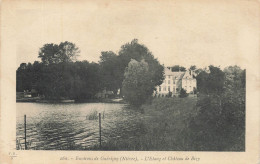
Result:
[[177, 32]]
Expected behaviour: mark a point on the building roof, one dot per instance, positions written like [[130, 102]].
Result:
[[177, 75]]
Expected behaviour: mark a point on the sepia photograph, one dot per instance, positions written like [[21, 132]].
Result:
[[127, 76], [127, 101]]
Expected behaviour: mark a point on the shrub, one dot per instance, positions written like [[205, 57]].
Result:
[[169, 94], [183, 93]]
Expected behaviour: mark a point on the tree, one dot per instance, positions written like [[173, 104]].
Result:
[[183, 93], [193, 68], [202, 78], [139, 52], [89, 76], [110, 71], [215, 80], [107, 56], [23, 77], [220, 123], [177, 68], [212, 82], [137, 85], [53, 53], [72, 80], [234, 77]]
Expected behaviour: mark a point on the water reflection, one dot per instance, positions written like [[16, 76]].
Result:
[[66, 126]]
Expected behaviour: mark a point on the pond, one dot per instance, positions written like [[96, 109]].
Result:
[[68, 126]]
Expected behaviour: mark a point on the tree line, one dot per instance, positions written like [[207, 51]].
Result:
[[134, 70], [60, 76], [220, 122]]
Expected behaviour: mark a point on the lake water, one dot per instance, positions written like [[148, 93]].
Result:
[[62, 126]]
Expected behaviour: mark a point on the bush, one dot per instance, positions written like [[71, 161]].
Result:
[[183, 93], [137, 85], [169, 94], [219, 125]]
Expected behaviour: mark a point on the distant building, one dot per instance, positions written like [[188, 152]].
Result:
[[174, 81]]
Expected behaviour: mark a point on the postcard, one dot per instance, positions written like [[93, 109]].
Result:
[[130, 81]]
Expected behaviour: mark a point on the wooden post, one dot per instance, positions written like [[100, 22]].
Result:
[[25, 146], [100, 129]]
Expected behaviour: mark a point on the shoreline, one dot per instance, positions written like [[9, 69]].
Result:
[[36, 100]]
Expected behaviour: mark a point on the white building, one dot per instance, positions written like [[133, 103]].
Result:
[[174, 81]]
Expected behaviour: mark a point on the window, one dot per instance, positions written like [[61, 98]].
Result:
[[169, 81], [169, 89], [173, 81], [173, 90], [169, 76], [159, 89], [164, 88]]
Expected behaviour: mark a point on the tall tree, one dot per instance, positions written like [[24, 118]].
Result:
[[212, 82], [110, 71], [222, 112], [137, 85], [138, 52], [216, 79], [53, 53]]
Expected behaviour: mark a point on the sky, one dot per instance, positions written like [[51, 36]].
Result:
[[176, 32]]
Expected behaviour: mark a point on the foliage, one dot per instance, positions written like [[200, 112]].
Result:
[[53, 53], [177, 68], [110, 70], [138, 52], [137, 85], [183, 93], [79, 80], [27, 75], [193, 68], [212, 82], [220, 123], [58, 76], [169, 94]]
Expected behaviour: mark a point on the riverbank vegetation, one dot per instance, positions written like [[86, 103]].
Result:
[[213, 121], [60, 76]]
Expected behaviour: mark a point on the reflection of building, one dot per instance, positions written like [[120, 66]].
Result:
[[174, 81]]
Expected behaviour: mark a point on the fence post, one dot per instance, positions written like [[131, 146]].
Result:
[[25, 146], [100, 129]]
